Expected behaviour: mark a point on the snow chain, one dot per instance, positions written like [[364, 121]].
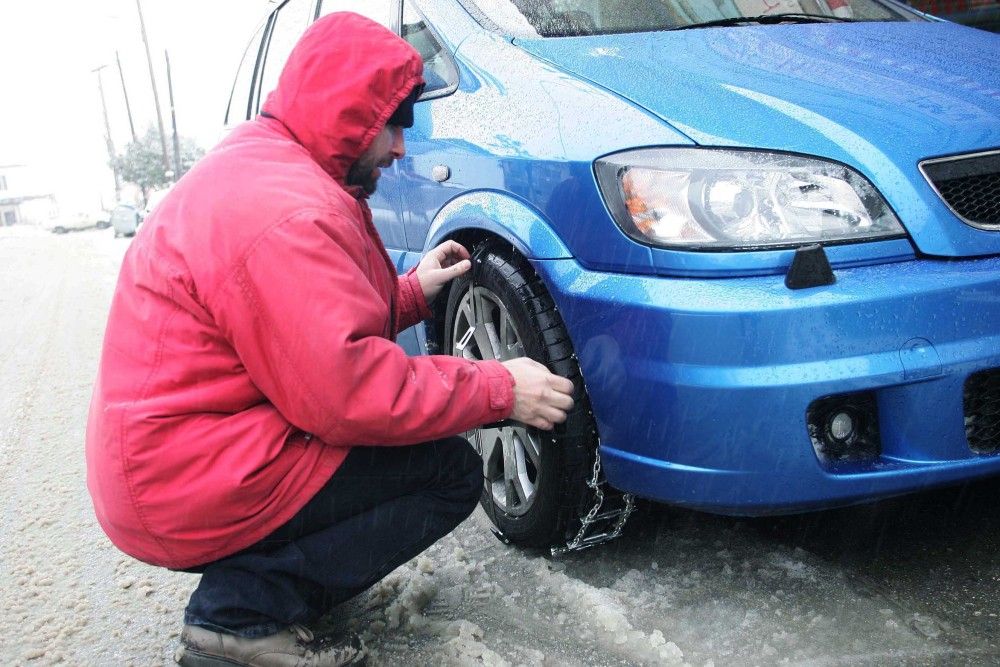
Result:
[[597, 527]]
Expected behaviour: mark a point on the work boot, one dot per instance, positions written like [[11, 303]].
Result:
[[296, 646]]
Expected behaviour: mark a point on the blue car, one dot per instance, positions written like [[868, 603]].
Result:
[[762, 237]]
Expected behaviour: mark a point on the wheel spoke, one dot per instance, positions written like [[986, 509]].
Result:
[[511, 481], [463, 334], [465, 310], [530, 447], [484, 306], [491, 332], [485, 342], [525, 489], [508, 339], [487, 445]]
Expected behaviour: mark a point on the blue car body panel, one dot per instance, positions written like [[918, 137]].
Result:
[[701, 366], [879, 97], [700, 387]]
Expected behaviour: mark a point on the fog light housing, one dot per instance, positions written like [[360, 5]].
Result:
[[845, 427]]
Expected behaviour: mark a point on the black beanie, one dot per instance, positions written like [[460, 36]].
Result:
[[403, 115]]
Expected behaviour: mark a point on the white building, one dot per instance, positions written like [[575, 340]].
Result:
[[23, 197]]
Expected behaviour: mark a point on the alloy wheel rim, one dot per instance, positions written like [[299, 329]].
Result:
[[512, 454]]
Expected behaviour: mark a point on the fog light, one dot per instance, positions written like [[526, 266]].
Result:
[[844, 428], [841, 427]]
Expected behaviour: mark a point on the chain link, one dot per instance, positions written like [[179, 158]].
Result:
[[582, 540]]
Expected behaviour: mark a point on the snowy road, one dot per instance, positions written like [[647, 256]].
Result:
[[912, 581]]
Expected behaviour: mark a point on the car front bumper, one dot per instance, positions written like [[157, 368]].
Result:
[[700, 387]]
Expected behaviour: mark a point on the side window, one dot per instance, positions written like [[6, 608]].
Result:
[[439, 70], [239, 99], [380, 11], [291, 21]]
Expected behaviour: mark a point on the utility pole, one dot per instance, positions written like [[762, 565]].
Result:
[[156, 96], [128, 107], [107, 133], [173, 120]]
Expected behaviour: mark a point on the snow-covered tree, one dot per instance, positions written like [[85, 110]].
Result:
[[142, 163]]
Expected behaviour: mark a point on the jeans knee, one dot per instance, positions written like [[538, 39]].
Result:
[[466, 468]]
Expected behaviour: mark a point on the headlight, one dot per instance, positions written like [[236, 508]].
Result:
[[699, 198]]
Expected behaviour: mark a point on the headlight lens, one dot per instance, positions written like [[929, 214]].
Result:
[[730, 199]]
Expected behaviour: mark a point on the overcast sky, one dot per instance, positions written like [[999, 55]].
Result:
[[50, 110]]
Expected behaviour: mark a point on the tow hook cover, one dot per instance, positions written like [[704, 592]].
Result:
[[810, 268], [920, 360]]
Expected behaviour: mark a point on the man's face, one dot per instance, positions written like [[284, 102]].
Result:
[[385, 147]]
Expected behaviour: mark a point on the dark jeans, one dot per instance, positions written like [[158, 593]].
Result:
[[382, 507]]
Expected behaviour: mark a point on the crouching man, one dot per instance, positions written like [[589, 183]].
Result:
[[253, 419]]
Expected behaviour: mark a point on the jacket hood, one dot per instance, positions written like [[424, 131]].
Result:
[[342, 82]]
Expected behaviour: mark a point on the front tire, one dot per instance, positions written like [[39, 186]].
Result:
[[535, 481]]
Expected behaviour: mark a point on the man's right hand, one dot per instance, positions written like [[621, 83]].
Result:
[[541, 398]]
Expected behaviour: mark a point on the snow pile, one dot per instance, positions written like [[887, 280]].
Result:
[[411, 600], [792, 568], [466, 646], [603, 612]]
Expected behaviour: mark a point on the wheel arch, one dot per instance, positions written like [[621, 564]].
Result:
[[502, 216], [495, 217]]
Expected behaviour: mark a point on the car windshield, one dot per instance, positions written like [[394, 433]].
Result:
[[562, 18]]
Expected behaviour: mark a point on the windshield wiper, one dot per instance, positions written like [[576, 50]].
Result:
[[765, 19]]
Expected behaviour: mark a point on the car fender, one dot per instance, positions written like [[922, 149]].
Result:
[[502, 215]]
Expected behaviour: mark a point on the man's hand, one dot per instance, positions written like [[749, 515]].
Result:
[[440, 265], [541, 398]]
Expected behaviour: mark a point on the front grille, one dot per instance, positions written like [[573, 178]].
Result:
[[982, 411], [970, 185]]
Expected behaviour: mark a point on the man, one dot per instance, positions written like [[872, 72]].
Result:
[[253, 419]]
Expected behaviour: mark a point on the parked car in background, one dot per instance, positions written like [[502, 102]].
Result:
[[763, 238], [72, 222], [125, 220]]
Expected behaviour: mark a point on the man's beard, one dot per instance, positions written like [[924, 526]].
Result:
[[363, 175]]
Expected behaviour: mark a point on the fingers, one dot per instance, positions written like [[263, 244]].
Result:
[[561, 384], [441, 276], [541, 399], [449, 253], [458, 250], [548, 418], [458, 269], [561, 401]]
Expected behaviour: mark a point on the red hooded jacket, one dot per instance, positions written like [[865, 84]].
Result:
[[250, 340]]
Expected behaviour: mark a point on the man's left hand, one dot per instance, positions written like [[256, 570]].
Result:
[[440, 265]]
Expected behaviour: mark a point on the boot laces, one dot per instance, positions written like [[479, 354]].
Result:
[[304, 634]]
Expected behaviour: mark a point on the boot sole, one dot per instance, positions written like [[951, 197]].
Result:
[[186, 656]]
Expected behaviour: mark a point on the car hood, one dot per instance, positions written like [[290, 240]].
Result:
[[880, 97]]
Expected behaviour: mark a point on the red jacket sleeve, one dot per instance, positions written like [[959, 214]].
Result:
[[309, 328], [411, 305]]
